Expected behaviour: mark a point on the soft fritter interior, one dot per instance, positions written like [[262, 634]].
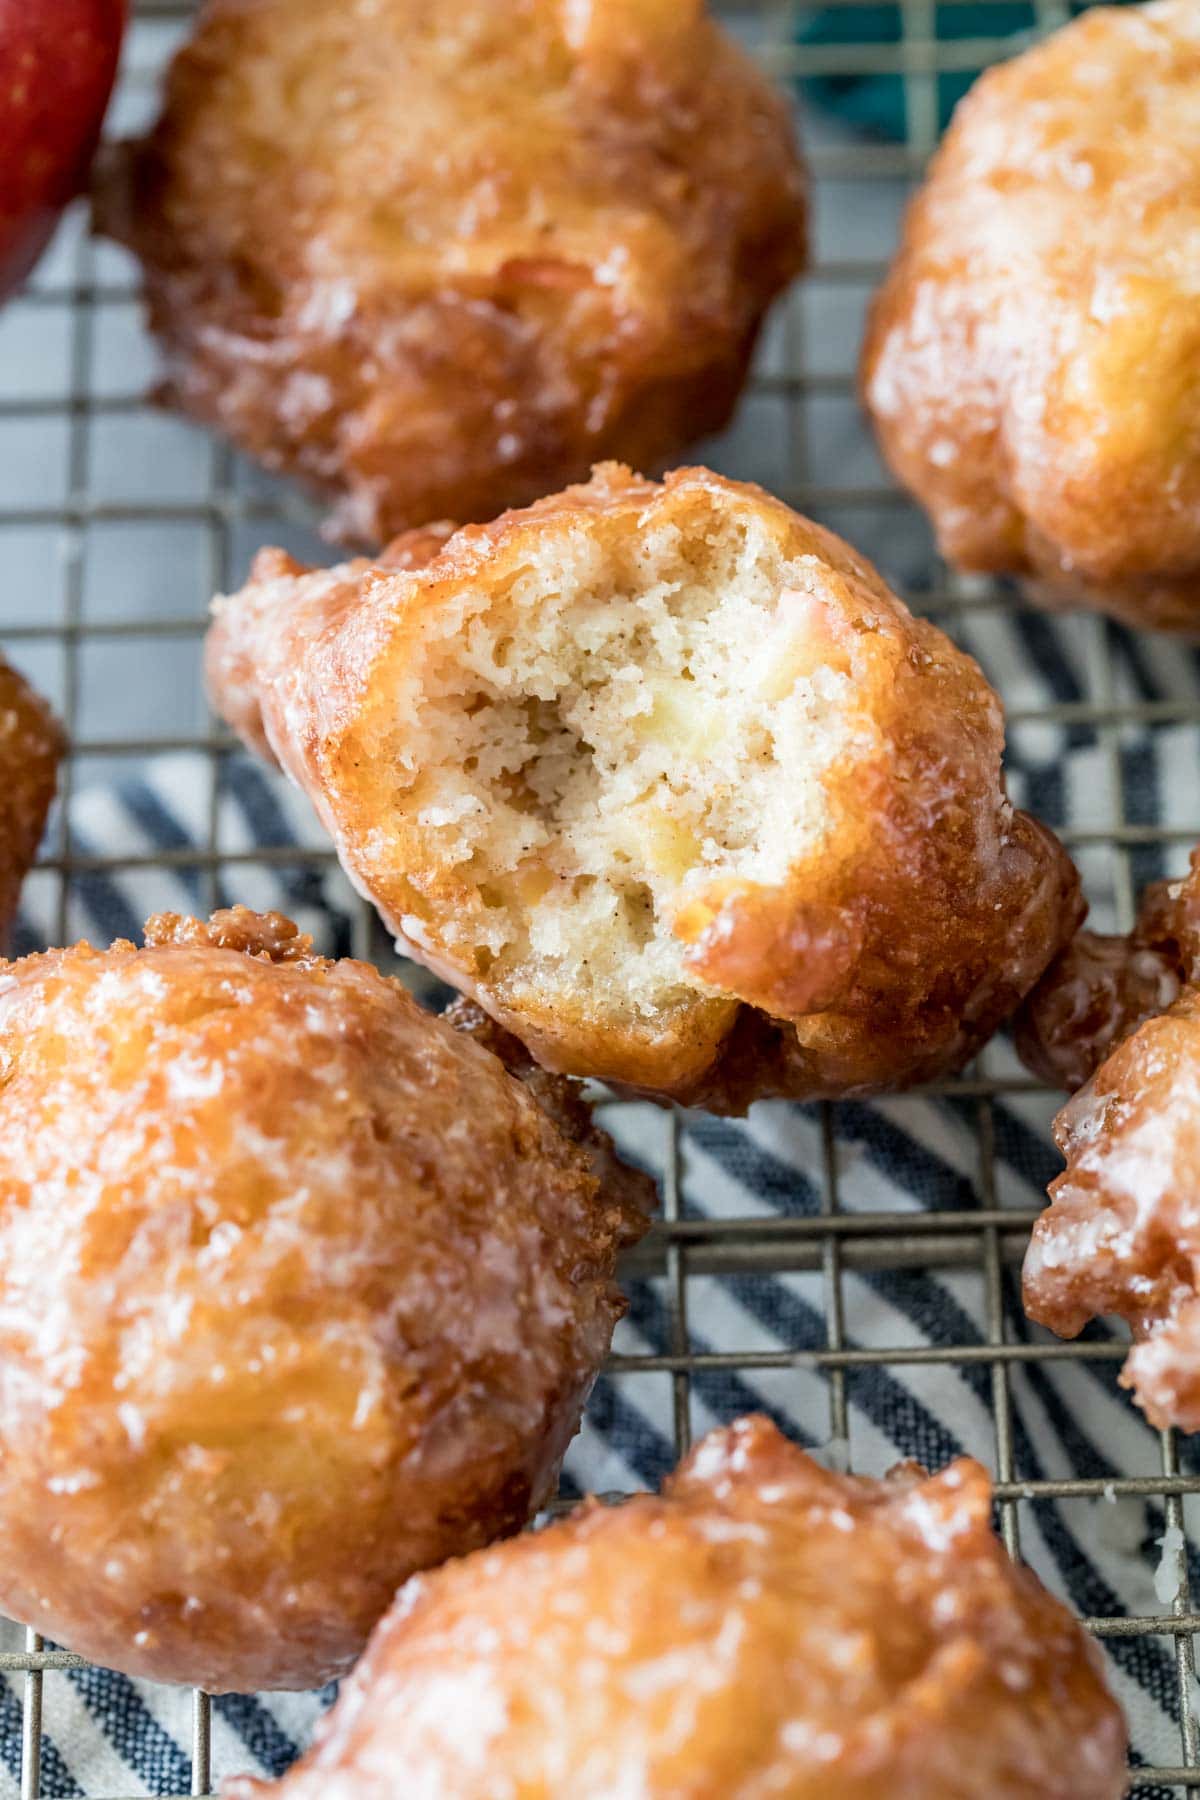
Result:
[[627, 722]]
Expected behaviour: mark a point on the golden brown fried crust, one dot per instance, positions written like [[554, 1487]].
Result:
[[763, 1627], [894, 951], [270, 936], [300, 1293], [1122, 1232], [31, 748], [440, 259], [1030, 363], [562, 1100], [1102, 987], [927, 946]]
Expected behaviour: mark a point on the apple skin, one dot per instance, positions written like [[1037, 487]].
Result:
[[58, 60]]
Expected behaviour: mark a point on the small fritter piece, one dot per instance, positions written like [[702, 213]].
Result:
[[299, 1292], [763, 1627], [1102, 987], [439, 259], [31, 747], [668, 780], [1031, 361], [1122, 1232]]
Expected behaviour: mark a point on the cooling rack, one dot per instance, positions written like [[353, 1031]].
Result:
[[94, 483]]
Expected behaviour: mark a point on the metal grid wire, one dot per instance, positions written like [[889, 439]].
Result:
[[980, 1236]]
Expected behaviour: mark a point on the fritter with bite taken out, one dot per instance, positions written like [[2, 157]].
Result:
[[668, 780]]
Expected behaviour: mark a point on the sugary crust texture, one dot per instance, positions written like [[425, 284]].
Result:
[[924, 912], [31, 747], [1103, 987], [301, 1292], [1122, 1232], [1031, 363], [562, 1100], [440, 259], [762, 1627]]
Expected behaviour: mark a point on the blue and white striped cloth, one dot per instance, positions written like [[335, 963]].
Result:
[[109, 1735]]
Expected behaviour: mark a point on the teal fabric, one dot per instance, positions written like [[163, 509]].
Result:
[[875, 103]]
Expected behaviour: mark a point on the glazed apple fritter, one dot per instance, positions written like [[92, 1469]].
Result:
[[1122, 1232], [762, 1627], [1031, 361], [299, 1292], [436, 260]]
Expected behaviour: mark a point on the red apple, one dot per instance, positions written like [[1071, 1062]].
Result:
[[57, 63]]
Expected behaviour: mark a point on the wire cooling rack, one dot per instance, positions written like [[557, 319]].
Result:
[[93, 482]]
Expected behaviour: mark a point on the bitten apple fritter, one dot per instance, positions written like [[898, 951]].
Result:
[[762, 1628], [31, 747], [299, 1292], [666, 779], [1032, 363], [437, 259]]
